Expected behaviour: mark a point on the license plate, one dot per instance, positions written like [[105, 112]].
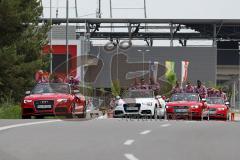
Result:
[[212, 112], [44, 106], [132, 108], [181, 110]]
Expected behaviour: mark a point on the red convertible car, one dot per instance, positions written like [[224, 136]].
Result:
[[185, 105], [53, 99], [216, 108]]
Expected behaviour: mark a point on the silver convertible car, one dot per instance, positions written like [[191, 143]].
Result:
[[140, 103]]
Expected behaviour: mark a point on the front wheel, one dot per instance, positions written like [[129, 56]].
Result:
[[39, 117], [26, 117], [155, 116], [82, 115], [69, 116]]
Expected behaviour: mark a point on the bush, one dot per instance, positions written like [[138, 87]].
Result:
[[8, 111]]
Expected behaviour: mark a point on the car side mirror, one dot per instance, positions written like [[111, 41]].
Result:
[[227, 103], [27, 93], [76, 91]]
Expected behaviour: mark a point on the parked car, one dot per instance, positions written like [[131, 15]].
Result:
[[185, 105], [53, 99]]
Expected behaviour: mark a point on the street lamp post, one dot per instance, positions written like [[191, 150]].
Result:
[[143, 52], [67, 49], [239, 79]]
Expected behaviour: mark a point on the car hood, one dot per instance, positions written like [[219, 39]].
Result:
[[137, 100], [183, 103], [47, 96], [216, 106]]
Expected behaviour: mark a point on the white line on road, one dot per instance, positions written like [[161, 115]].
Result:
[[145, 132], [130, 156], [128, 142], [165, 125], [27, 124]]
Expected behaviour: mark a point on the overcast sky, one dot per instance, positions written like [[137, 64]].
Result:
[[199, 9]]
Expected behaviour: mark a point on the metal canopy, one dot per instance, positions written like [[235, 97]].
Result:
[[149, 21], [214, 29]]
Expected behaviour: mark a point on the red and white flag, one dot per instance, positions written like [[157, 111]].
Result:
[[184, 75]]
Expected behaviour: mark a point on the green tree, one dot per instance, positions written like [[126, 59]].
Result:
[[116, 88], [171, 78], [21, 42]]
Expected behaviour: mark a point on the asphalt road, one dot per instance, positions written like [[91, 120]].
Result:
[[119, 139]]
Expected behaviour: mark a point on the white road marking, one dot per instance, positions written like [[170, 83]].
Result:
[[145, 132], [130, 156], [165, 125], [128, 142], [27, 124]]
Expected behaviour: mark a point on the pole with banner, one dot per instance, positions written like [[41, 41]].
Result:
[[184, 71], [153, 69]]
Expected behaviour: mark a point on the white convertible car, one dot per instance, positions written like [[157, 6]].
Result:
[[140, 103]]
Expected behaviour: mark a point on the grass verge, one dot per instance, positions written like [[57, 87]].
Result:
[[10, 111]]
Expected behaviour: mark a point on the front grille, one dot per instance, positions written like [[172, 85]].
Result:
[[132, 107], [118, 112], [180, 107], [146, 112], [44, 104]]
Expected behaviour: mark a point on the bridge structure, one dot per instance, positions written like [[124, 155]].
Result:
[[150, 30]]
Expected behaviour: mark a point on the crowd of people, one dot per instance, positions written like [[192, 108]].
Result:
[[45, 77], [203, 91], [141, 84]]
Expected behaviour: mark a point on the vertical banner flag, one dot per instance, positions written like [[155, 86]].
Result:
[[170, 65], [184, 71], [153, 70]]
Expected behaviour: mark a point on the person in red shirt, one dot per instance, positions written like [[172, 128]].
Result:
[[211, 92], [154, 85], [189, 88], [222, 94], [136, 84], [177, 88], [143, 84], [201, 89]]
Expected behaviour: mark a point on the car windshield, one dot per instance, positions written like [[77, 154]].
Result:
[[215, 101], [138, 94], [184, 97], [51, 88]]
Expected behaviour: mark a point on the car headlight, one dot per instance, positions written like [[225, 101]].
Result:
[[62, 100], [27, 101], [148, 103], [195, 107], [221, 109]]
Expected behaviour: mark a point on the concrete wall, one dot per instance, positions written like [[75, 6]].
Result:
[[202, 61]]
